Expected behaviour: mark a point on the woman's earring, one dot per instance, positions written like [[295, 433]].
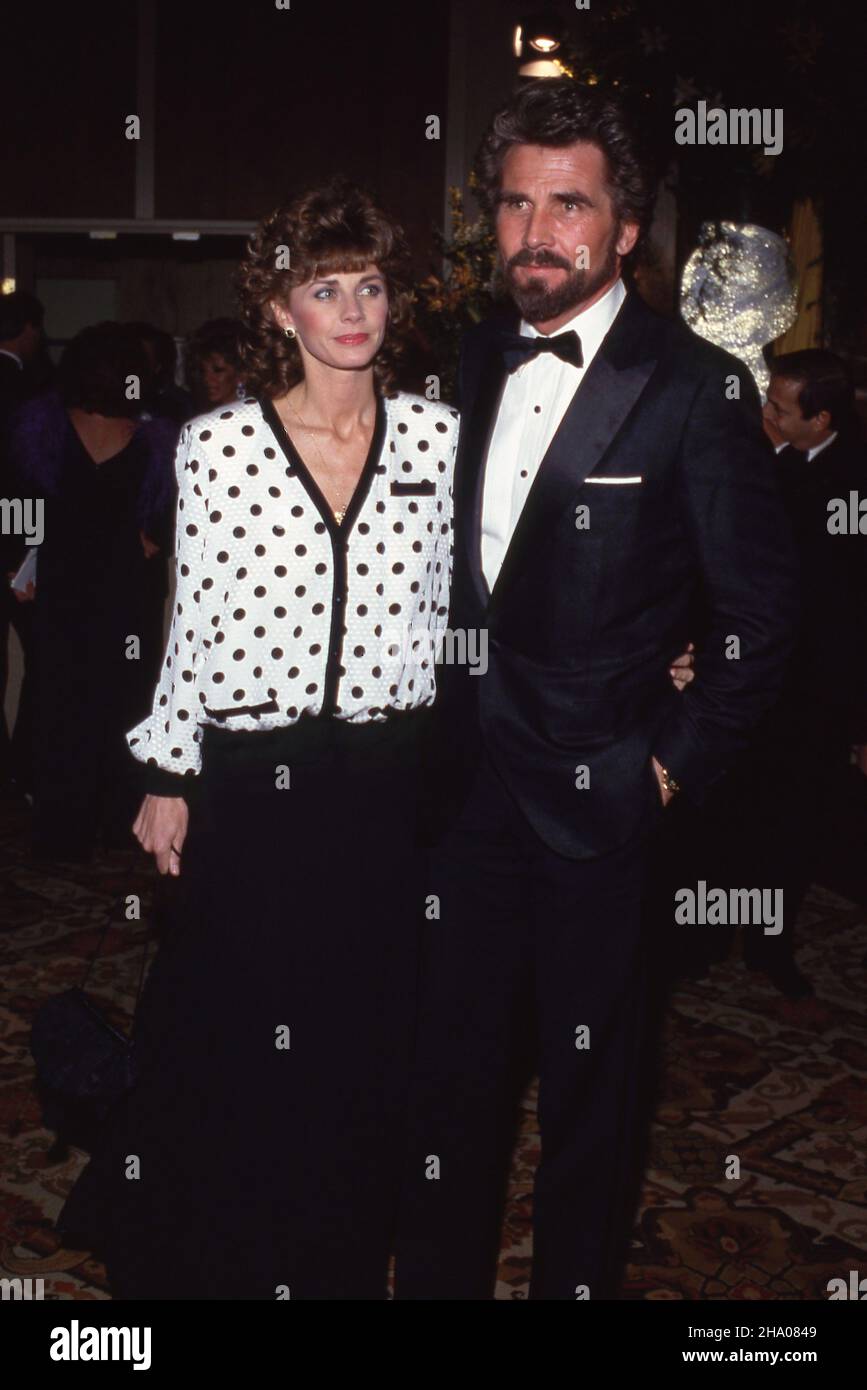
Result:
[[290, 331]]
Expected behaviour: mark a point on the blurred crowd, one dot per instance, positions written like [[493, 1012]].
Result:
[[87, 450]]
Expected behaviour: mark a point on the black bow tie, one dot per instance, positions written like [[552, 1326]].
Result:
[[517, 349]]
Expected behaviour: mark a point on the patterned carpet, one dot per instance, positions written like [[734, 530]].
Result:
[[780, 1084]]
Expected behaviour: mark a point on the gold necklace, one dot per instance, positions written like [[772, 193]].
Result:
[[338, 512]]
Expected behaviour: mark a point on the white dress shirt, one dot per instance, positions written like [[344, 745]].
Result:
[[811, 453], [533, 403], [279, 611]]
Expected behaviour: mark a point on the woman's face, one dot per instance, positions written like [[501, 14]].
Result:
[[219, 378], [340, 319]]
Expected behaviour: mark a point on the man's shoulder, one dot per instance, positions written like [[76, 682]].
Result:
[[503, 317], [686, 352], [844, 463], [11, 374]]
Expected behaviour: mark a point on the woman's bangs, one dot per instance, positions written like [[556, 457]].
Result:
[[341, 260]]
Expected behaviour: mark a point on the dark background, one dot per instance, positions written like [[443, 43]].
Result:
[[252, 103]]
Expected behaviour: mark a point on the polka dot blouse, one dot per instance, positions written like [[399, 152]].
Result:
[[281, 611]]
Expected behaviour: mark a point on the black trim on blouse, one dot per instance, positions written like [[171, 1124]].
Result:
[[338, 531]]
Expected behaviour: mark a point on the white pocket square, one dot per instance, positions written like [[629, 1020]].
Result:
[[636, 478]]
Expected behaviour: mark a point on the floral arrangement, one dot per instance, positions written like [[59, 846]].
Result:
[[447, 304]]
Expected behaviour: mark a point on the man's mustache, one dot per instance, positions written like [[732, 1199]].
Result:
[[537, 258]]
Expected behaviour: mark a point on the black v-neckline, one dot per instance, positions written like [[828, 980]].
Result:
[[89, 456], [362, 487]]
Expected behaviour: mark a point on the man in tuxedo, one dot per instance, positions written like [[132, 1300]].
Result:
[[791, 803], [611, 465], [786, 794], [21, 320]]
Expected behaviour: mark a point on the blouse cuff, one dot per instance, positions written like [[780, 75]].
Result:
[[158, 782]]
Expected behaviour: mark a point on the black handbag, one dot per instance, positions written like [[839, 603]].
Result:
[[82, 1060]]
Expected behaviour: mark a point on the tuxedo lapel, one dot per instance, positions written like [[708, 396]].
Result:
[[477, 428], [612, 384]]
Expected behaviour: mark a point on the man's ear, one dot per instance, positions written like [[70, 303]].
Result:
[[823, 420], [626, 237]]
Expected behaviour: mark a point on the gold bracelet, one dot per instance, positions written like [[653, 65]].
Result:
[[668, 781]]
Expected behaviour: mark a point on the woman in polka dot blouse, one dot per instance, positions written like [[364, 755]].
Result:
[[283, 764]]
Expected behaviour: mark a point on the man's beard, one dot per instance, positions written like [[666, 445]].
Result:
[[539, 302]]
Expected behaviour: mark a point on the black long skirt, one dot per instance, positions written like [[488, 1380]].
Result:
[[258, 1155]]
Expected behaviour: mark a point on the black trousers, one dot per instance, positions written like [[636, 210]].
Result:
[[533, 956], [275, 1032], [767, 825]]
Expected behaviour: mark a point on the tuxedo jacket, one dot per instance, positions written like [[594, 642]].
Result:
[[657, 487], [824, 697]]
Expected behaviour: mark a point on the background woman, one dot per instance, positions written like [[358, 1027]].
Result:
[[104, 478], [213, 363]]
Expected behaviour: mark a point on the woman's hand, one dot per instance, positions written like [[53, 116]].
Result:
[[681, 671], [28, 594], [161, 828]]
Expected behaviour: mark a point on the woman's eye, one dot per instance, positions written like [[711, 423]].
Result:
[[373, 289], [320, 294]]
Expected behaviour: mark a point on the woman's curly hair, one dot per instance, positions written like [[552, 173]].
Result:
[[334, 229]]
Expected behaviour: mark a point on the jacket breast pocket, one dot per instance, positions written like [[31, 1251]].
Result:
[[427, 488]]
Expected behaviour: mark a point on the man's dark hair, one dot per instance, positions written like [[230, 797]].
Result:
[[17, 310], [95, 366], [559, 111], [825, 383]]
